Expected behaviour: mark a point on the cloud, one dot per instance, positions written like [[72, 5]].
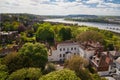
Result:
[[60, 7], [94, 1]]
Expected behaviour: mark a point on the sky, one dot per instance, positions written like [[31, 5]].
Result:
[[61, 7]]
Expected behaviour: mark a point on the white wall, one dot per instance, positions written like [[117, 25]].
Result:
[[62, 49]]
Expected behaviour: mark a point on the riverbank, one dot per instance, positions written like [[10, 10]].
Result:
[[105, 26]]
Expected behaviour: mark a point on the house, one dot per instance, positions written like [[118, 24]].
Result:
[[115, 54], [101, 61], [64, 51], [117, 61], [115, 69], [7, 37], [91, 48]]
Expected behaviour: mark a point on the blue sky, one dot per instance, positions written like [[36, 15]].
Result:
[[61, 7]]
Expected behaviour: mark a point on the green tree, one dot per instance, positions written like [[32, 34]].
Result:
[[3, 72], [15, 25], [84, 74], [8, 26], [30, 55], [26, 74], [60, 75], [45, 34], [97, 77], [13, 61], [65, 33], [34, 53], [110, 47]]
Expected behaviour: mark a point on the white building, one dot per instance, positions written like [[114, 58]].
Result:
[[65, 51]]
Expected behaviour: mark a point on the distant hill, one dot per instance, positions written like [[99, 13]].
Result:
[[82, 15]]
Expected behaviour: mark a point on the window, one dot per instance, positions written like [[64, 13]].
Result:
[[71, 48], [63, 55], [75, 48], [63, 49], [60, 49], [67, 49], [97, 61], [60, 55], [60, 59]]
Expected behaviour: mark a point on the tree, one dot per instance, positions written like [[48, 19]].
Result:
[[15, 25], [84, 74], [65, 33], [49, 68], [8, 26], [97, 77], [13, 61], [76, 63], [110, 47], [30, 32], [30, 55], [26, 74], [90, 35], [3, 72], [45, 34], [21, 28], [34, 53], [60, 75]]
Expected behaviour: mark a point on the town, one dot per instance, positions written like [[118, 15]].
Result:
[[30, 46]]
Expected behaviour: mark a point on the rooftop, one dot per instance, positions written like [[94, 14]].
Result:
[[7, 33], [118, 60], [67, 44]]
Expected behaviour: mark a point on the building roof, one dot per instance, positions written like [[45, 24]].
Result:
[[67, 44], [7, 33], [104, 59], [118, 60], [110, 78]]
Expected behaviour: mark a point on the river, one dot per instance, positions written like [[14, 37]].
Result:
[[105, 26]]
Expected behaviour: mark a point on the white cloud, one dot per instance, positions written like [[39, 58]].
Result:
[[59, 7], [113, 5], [94, 1]]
